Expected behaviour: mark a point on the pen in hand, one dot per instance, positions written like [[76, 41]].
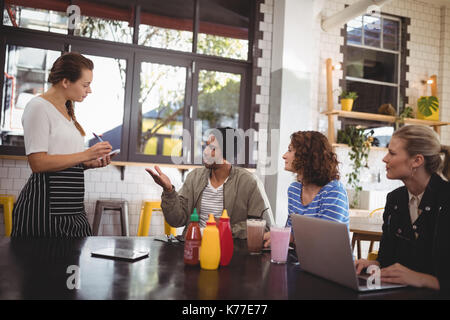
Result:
[[98, 137]]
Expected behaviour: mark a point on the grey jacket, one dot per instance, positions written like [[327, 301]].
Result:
[[242, 199]]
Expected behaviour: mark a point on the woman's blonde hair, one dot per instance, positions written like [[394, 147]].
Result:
[[423, 140]]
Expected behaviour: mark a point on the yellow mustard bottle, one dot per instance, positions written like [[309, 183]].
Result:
[[210, 248]]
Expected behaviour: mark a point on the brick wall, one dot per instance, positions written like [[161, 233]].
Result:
[[263, 80], [429, 53]]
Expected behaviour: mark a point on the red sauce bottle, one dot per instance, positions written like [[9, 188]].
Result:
[[193, 240], [226, 239]]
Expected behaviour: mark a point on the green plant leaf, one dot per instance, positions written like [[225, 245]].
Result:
[[427, 105]]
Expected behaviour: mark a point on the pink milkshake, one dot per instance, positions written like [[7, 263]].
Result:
[[279, 243]]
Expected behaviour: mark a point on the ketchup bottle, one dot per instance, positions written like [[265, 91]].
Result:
[[193, 240], [226, 239]]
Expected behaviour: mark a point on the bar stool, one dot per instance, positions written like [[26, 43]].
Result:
[[7, 201], [115, 205], [146, 215]]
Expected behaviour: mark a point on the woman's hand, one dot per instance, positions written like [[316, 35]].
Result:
[[98, 163], [99, 150], [266, 239], [363, 264], [400, 274]]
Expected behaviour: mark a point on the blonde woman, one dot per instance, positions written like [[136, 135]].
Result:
[[415, 246]]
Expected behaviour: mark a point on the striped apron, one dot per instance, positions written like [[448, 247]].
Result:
[[51, 204]]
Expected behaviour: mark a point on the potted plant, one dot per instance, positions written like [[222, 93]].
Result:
[[347, 98], [359, 143], [407, 112], [428, 108]]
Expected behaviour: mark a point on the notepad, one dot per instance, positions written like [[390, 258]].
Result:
[[114, 152], [121, 254]]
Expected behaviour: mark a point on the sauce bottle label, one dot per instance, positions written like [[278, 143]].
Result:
[[191, 248]]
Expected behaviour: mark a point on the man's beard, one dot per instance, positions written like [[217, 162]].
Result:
[[211, 163]]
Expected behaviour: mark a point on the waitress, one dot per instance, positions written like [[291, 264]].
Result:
[[51, 204]]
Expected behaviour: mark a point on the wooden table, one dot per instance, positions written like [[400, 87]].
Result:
[[365, 232], [44, 269]]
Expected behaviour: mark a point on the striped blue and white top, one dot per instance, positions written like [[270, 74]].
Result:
[[330, 203]]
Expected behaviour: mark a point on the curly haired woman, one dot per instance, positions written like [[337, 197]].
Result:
[[317, 191]]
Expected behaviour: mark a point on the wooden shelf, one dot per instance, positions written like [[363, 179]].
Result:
[[426, 122], [342, 145], [331, 112], [127, 163], [382, 118], [361, 115], [123, 163]]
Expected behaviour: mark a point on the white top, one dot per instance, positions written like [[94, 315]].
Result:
[[414, 202], [47, 130], [212, 202]]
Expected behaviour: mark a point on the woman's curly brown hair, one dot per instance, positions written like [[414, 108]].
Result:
[[314, 158]]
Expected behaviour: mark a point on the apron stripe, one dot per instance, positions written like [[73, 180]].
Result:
[[51, 204]]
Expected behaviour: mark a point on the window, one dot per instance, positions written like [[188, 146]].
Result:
[[372, 61], [37, 19], [219, 98], [96, 21], [166, 69], [112, 22], [167, 24], [162, 101], [102, 111], [224, 28], [25, 77]]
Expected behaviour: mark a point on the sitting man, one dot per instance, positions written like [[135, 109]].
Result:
[[217, 186]]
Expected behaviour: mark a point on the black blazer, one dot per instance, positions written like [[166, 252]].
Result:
[[429, 251]]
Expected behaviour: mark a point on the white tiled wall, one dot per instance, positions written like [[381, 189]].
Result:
[[429, 48], [444, 72], [265, 44], [101, 183]]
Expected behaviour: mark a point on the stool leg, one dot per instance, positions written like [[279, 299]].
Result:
[[144, 221], [124, 219], [97, 218], [371, 246], [169, 230], [7, 213], [358, 245], [141, 218]]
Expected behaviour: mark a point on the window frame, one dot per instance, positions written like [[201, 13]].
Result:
[[135, 107], [110, 51], [399, 53], [243, 99], [133, 53], [24, 40]]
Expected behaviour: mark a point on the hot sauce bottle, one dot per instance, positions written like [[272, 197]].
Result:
[[193, 240]]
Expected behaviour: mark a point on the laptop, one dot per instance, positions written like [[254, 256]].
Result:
[[323, 249]]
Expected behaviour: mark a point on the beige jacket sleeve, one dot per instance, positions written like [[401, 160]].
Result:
[[177, 206]]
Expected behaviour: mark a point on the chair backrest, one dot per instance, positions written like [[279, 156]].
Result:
[[373, 211]]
